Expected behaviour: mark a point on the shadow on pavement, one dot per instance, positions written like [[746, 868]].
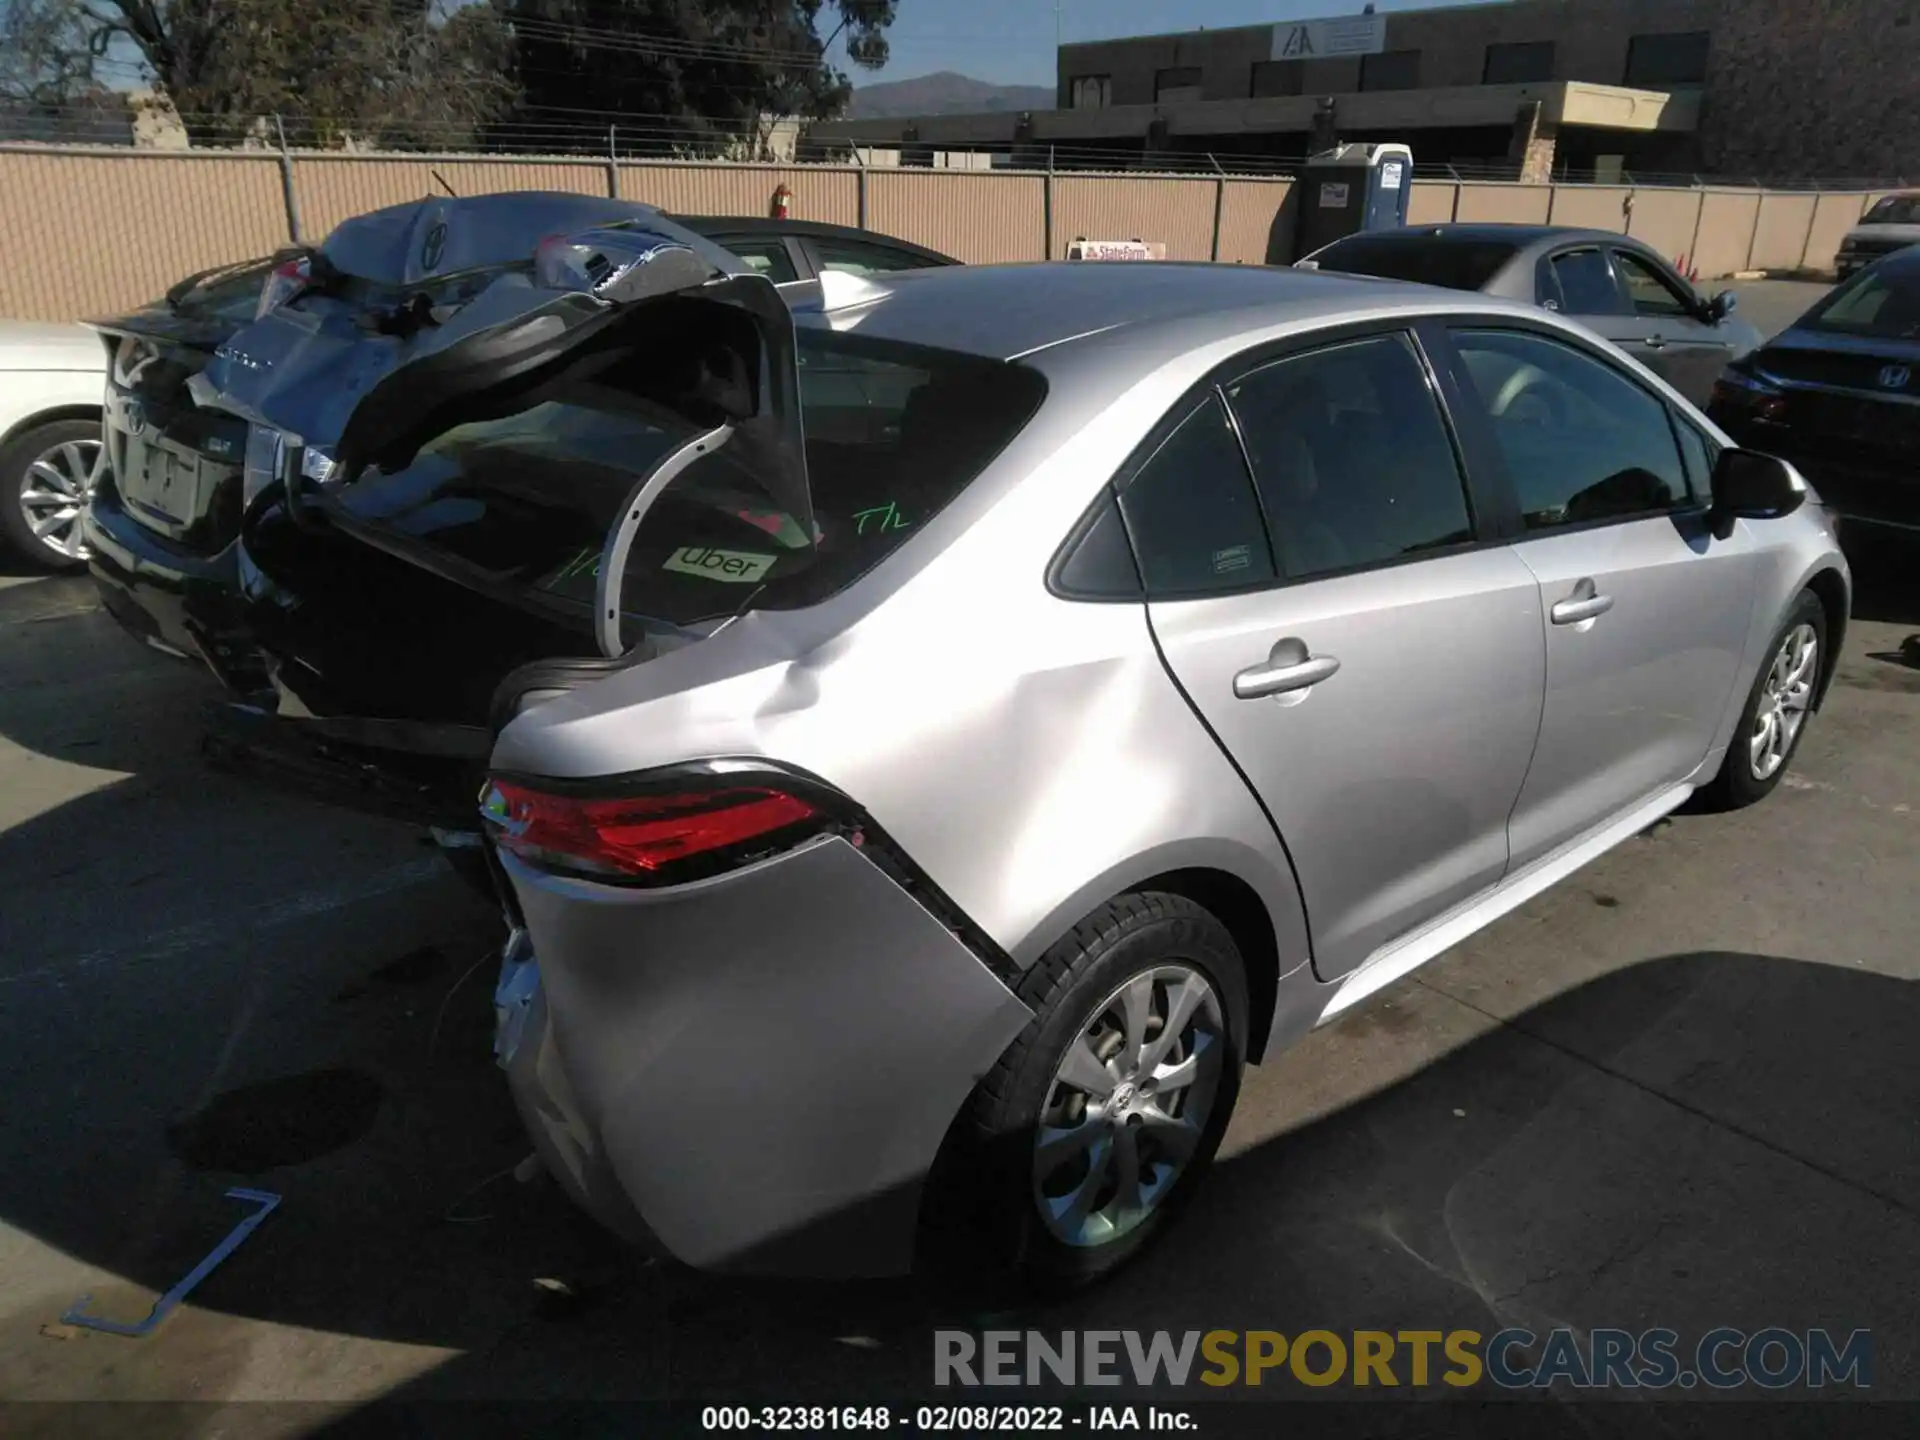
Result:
[[1886, 575], [1699, 1140]]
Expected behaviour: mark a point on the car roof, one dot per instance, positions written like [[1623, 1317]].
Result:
[[1160, 308], [1520, 236], [711, 225]]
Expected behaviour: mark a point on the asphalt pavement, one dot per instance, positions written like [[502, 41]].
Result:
[[1678, 1091]]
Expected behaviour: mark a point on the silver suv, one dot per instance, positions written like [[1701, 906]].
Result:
[[1122, 670]]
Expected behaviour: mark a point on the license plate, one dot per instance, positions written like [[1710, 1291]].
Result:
[[158, 482]]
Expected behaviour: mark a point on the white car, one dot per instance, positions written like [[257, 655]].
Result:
[[52, 381]]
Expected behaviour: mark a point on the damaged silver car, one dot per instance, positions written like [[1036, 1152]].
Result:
[[932, 732]]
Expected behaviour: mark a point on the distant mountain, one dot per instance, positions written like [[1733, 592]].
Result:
[[944, 93]]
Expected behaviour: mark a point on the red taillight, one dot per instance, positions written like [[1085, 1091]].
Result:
[[637, 835]]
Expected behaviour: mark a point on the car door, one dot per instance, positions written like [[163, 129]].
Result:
[[1644, 610], [1668, 331], [1367, 654]]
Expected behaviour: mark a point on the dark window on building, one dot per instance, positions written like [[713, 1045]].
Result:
[[1090, 92], [1656, 61], [1192, 514], [1278, 77], [1182, 77], [1351, 457], [1521, 63], [1390, 70]]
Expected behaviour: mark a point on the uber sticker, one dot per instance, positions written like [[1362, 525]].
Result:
[[1239, 557], [735, 565]]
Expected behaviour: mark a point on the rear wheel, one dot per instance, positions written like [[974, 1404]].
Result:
[[1777, 710], [1088, 1137], [46, 474]]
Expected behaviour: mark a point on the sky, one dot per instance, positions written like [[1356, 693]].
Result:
[[1010, 42]]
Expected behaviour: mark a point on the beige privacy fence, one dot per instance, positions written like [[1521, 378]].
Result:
[[85, 231]]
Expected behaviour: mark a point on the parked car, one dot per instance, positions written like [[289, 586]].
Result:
[[163, 527], [1838, 394], [919, 781], [1612, 284], [51, 381], [1890, 225]]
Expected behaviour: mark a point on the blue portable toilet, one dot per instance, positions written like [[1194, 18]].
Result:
[[1351, 188]]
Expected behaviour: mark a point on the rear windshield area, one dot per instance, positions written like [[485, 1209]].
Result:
[[1894, 210], [1882, 303], [893, 433], [1425, 260]]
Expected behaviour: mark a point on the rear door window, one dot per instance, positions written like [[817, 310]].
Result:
[[893, 433], [1193, 515], [1351, 457], [766, 254]]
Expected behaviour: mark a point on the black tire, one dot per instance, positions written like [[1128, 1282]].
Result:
[[15, 456], [1736, 786], [981, 1221]]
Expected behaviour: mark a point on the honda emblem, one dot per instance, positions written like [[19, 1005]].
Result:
[[1894, 377]]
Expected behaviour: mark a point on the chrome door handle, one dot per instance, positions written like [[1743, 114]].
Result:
[[1583, 604], [1654, 342], [1282, 673]]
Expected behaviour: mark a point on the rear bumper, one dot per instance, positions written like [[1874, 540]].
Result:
[[185, 602], [750, 1073], [432, 784]]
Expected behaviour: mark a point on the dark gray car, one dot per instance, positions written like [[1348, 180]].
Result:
[[1614, 285]]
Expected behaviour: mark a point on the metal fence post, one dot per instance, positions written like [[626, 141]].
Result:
[[1219, 203], [287, 194], [1046, 210], [1753, 235], [613, 162], [860, 188]]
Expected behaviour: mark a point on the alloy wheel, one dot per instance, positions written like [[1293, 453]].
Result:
[[54, 491], [1785, 698], [1129, 1104]]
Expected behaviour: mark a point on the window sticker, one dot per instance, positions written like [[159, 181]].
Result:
[[735, 566], [880, 517], [1236, 557]]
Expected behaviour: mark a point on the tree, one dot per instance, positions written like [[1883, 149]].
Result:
[[45, 58], [394, 71], [682, 75]]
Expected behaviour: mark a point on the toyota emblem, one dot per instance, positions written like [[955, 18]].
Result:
[[1894, 377]]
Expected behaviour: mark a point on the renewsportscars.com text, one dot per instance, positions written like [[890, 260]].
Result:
[[1515, 1359]]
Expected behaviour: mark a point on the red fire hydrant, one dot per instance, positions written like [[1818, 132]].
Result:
[[782, 202]]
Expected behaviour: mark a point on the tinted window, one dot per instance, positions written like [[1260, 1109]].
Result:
[[1192, 514], [1655, 61], [1699, 454], [1518, 64], [1099, 564], [1278, 77], [1390, 70], [1351, 457], [1457, 264], [1883, 302], [1586, 284], [1581, 441], [1894, 210], [767, 254], [893, 433], [856, 257], [1650, 291]]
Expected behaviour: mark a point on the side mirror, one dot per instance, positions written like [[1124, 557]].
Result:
[[1750, 486], [1721, 306]]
